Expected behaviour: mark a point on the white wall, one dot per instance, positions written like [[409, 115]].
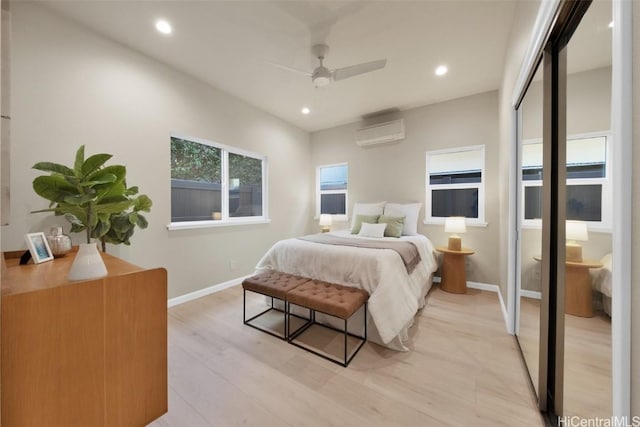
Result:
[[521, 32], [71, 86], [396, 173], [635, 239]]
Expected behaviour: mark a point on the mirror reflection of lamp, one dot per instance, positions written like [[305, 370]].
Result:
[[325, 222], [455, 225], [575, 231]]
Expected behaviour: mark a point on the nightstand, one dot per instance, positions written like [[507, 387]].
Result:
[[454, 275], [578, 292]]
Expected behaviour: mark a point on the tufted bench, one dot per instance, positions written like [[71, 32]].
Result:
[[334, 300], [273, 284]]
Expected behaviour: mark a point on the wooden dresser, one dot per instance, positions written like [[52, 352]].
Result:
[[87, 353]]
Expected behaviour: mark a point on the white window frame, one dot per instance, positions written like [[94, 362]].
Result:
[[603, 226], [480, 222], [319, 192], [226, 220]]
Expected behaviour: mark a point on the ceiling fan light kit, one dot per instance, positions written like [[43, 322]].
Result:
[[321, 76]]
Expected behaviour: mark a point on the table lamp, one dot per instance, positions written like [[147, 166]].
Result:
[[325, 222], [575, 230], [455, 225]]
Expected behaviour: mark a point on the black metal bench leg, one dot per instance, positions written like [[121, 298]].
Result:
[[345, 342], [287, 319], [345, 331], [270, 307]]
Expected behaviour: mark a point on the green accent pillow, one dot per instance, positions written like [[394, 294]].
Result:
[[357, 223], [394, 225]]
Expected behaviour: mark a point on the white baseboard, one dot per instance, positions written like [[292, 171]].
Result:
[[483, 286], [530, 294], [496, 289], [206, 291]]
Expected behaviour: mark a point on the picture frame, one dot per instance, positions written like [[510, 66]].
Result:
[[39, 247]]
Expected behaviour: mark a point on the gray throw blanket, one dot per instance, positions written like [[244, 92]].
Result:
[[407, 250]]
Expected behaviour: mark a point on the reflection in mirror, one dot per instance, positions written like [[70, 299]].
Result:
[[530, 214], [586, 174], [587, 334]]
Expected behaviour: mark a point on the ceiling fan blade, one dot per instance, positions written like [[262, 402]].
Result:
[[287, 68], [354, 70]]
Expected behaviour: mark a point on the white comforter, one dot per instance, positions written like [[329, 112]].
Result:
[[395, 296]]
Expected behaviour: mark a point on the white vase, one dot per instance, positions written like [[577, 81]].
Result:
[[88, 263]]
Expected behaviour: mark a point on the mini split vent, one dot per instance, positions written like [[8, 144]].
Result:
[[382, 133]]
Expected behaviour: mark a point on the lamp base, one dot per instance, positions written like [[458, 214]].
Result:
[[325, 229], [573, 252], [455, 243]]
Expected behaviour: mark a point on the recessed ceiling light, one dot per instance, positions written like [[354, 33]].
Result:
[[163, 26], [611, 24], [305, 110], [441, 70]]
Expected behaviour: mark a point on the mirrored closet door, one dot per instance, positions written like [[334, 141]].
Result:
[[564, 174], [530, 224], [587, 318]]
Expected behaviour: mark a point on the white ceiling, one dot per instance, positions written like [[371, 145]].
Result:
[[226, 44]]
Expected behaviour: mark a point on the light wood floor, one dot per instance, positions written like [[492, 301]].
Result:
[[587, 363], [463, 370], [529, 335]]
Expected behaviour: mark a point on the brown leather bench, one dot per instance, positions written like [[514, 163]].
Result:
[[272, 284], [332, 299], [316, 296]]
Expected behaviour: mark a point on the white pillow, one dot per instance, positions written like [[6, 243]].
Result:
[[366, 209], [372, 230], [411, 211]]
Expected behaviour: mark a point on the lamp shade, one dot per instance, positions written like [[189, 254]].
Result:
[[455, 224], [577, 230], [325, 220]]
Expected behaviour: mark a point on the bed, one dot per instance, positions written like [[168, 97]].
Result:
[[396, 291], [601, 279]]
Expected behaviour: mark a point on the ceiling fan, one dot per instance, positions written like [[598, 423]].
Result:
[[322, 75]]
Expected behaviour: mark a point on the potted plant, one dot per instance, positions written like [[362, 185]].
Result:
[[95, 199]]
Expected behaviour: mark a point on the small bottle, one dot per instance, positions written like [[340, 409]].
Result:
[[59, 243]]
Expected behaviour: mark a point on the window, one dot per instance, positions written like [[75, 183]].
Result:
[[213, 184], [331, 194], [455, 184], [588, 192], [245, 186]]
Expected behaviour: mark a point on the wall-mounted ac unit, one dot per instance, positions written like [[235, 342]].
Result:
[[381, 133]]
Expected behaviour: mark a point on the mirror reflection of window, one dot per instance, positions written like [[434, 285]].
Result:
[[588, 188]]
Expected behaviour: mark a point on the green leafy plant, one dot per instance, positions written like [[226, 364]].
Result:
[[93, 197]]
